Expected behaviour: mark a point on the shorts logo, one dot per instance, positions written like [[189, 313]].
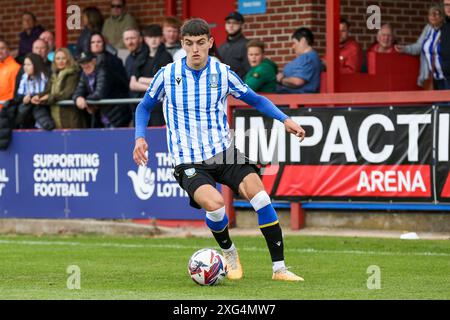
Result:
[[213, 80], [190, 172]]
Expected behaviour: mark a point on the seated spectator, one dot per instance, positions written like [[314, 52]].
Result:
[[427, 47], [146, 68], [233, 51], [302, 75], [49, 38], [171, 34], [61, 86], [385, 40], [31, 32], [92, 21], [133, 42], [41, 49], [32, 83], [117, 23], [112, 63], [8, 72], [262, 76], [350, 53], [95, 84]]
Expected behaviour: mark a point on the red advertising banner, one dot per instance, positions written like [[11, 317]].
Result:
[[355, 181]]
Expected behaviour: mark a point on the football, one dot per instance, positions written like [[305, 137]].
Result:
[[207, 267]]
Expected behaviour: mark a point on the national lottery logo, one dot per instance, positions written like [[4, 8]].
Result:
[[143, 182], [157, 181]]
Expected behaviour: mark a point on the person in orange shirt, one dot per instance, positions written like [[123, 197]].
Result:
[[8, 72]]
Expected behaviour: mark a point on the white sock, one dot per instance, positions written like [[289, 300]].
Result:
[[230, 248], [277, 265]]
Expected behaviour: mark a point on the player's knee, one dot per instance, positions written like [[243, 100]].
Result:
[[213, 203]]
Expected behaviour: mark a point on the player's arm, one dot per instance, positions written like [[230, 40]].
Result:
[[266, 107], [143, 111]]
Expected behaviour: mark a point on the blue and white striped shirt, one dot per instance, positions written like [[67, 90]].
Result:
[[431, 49], [28, 86], [195, 108]]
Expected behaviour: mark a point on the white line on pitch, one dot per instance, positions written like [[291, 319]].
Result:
[[169, 246]]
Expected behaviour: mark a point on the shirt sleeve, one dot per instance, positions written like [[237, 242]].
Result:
[[263, 105], [152, 96], [236, 85]]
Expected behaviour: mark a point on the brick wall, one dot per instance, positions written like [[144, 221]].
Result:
[[275, 27]]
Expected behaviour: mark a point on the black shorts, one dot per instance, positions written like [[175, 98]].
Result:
[[229, 167]]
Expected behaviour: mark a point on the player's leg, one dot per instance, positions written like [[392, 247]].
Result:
[[253, 190], [216, 219]]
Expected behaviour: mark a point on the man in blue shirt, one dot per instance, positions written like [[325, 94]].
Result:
[[301, 75]]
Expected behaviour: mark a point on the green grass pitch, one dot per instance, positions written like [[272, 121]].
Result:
[[156, 268]]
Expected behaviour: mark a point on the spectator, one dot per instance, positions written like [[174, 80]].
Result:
[[262, 76], [427, 47], [49, 38], [171, 34], [111, 62], [8, 72], [92, 20], [95, 84], [117, 23], [61, 86], [234, 51], [302, 75], [41, 49], [147, 66], [133, 42], [31, 32], [445, 48], [385, 40], [350, 53], [32, 83]]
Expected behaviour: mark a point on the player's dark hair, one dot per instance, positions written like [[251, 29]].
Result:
[[195, 27], [153, 30], [304, 33]]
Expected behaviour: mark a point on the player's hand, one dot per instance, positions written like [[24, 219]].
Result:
[[140, 152], [294, 128]]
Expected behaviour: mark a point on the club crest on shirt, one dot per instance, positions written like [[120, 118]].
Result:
[[190, 172], [213, 80]]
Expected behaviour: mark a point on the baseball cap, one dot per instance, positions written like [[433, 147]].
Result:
[[236, 16], [85, 57]]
